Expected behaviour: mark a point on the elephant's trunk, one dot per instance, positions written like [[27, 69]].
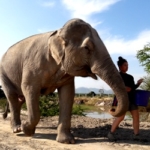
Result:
[[107, 71]]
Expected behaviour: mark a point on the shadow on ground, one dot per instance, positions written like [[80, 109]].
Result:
[[99, 134]]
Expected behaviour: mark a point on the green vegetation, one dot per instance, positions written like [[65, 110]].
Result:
[[78, 110], [96, 96], [146, 83], [2, 103], [49, 106], [144, 57]]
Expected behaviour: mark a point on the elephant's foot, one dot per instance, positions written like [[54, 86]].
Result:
[[17, 129], [28, 129], [66, 138], [16, 126]]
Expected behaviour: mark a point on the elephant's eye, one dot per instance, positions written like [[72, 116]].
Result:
[[86, 47]]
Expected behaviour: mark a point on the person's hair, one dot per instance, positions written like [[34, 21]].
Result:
[[121, 61]]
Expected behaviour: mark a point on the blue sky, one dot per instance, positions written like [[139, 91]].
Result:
[[123, 25]]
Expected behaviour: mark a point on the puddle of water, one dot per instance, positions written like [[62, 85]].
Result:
[[102, 115], [99, 112]]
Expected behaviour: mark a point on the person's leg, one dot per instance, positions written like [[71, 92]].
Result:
[[116, 123], [135, 116], [114, 126]]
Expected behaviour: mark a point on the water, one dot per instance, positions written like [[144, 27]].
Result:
[[102, 115]]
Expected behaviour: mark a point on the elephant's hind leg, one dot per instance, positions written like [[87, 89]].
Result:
[[15, 107], [12, 103]]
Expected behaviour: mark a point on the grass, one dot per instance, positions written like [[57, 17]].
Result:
[[49, 106], [86, 107]]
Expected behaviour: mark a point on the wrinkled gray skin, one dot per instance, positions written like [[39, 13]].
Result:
[[42, 63], [21, 100]]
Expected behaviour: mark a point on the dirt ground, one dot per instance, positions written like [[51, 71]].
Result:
[[90, 134]]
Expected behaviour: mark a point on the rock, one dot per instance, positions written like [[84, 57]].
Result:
[[101, 104]]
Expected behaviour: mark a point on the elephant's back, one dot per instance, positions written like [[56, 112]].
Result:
[[24, 49], [12, 62], [26, 45]]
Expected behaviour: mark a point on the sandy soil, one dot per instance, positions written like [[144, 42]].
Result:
[[90, 134]]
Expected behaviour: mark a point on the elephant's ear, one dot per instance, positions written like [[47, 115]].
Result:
[[57, 46]]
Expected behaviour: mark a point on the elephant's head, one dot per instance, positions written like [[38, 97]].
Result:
[[81, 52]]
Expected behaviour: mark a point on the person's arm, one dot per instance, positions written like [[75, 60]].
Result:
[[135, 86], [139, 82]]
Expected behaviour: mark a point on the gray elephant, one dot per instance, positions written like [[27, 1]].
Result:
[[21, 100], [42, 63]]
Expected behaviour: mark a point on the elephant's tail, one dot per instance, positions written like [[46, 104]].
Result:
[[5, 114]]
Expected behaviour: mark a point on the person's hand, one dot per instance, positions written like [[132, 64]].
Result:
[[128, 89], [139, 81]]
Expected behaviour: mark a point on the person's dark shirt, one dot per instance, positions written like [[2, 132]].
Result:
[[129, 82]]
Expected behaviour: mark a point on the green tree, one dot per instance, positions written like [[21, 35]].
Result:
[[144, 57], [146, 83]]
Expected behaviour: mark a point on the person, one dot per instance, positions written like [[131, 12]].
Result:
[[133, 108]]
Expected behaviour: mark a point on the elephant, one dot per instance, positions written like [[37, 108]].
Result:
[[5, 114], [42, 63], [21, 100]]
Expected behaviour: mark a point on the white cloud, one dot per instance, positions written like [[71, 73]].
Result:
[[48, 3], [95, 23], [85, 8], [117, 45]]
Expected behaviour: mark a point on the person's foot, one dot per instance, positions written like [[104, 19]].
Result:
[[136, 137], [111, 137]]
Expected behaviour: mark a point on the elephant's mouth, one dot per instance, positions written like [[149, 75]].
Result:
[[86, 71], [93, 75], [83, 71]]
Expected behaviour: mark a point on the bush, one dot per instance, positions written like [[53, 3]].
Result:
[[49, 106], [77, 110], [2, 103]]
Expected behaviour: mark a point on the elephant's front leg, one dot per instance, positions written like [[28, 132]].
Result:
[[32, 102], [66, 97]]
